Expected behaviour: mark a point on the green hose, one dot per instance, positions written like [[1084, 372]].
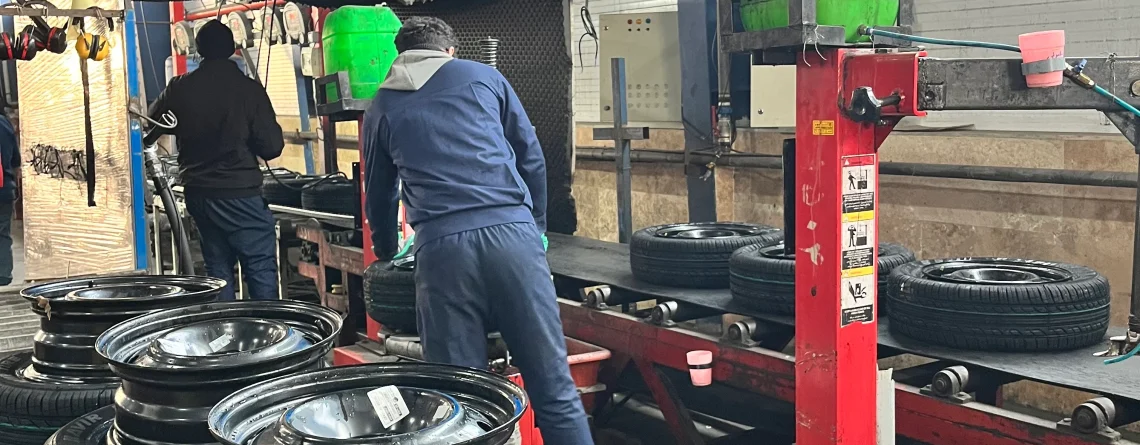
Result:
[[407, 250]]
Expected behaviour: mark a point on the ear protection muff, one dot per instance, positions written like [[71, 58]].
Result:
[[92, 46], [53, 38], [26, 47], [7, 46]]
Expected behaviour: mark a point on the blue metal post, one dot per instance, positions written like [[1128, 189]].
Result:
[[138, 184], [303, 107], [622, 146]]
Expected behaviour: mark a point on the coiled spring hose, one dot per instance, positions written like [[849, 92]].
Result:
[[988, 45]]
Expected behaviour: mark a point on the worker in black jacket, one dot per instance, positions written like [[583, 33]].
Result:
[[225, 123]]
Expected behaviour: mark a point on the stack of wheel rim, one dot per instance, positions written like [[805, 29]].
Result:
[[63, 377], [693, 255], [999, 304], [763, 276], [177, 363], [390, 294], [447, 405]]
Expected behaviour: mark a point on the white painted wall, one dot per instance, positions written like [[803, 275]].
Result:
[[1093, 28]]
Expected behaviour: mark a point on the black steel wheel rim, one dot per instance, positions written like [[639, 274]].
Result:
[[74, 312], [996, 271], [177, 363], [407, 263], [461, 405], [709, 231], [777, 251]]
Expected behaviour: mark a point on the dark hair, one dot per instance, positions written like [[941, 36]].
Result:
[[427, 33]]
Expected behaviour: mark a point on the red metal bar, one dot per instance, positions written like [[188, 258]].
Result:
[[836, 174], [177, 14], [211, 13]]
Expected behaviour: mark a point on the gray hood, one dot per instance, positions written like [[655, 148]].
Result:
[[413, 68]]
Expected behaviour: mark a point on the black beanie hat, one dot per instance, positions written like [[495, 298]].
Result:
[[215, 41]]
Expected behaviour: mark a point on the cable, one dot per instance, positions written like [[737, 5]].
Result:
[[591, 32], [1124, 357], [268, 54], [933, 41]]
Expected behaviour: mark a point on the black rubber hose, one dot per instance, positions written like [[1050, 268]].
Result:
[[162, 188]]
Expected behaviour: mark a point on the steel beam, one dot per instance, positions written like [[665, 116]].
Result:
[[695, 20], [997, 84]]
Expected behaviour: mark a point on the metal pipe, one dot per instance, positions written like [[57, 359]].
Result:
[[622, 160], [218, 12], [950, 171], [1134, 308], [789, 197]]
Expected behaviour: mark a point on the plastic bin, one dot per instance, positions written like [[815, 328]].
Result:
[[362, 41], [758, 15], [585, 361]]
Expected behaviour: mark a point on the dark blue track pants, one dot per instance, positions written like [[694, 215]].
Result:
[[498, 276], [238, 229]]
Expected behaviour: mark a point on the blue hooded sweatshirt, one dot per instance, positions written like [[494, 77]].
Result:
[[454, 132]]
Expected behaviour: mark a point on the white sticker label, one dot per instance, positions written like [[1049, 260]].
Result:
[[388, 404], [858, 300], [174, 347], [218, 343]]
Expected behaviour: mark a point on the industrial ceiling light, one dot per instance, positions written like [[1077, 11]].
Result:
[[183, 39], [296, 22], [242, 28]]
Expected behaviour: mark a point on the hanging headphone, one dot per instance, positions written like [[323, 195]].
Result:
[[93, 46], [51, 38], [7, 46], [26, 47]]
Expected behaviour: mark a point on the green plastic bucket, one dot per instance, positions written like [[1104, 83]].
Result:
[[362, 41], [759, 15]]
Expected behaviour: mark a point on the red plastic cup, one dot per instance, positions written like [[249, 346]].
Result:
[[1038, 46], [700, 367]]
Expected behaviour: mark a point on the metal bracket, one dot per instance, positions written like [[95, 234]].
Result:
[[1044, 66], [950, 384], [1092, 419]]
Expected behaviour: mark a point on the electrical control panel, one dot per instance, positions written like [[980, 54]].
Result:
[[773, 103], [652, 52]]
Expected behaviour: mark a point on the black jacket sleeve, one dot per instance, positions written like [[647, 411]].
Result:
[[265, 137]]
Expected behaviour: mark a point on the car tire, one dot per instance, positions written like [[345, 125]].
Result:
[[89, 429], [763, 278], [390, 294], [994, 304], [31, 411], [692, 255], [333, 194], [284, 190]]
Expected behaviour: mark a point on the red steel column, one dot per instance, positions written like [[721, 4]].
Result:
[[178, 14], [836, 328], [837, 172]]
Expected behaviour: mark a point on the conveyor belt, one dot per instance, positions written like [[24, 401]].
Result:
[[603, 262]]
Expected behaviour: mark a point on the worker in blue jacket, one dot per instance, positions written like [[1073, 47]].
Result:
[[474, 182]]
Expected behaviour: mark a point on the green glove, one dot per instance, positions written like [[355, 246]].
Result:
[[545, 243], [407, 250]]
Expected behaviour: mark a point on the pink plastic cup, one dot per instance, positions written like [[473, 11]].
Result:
[[1038, 46], [700, 367]]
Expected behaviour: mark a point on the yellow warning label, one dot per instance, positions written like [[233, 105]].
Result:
[[858, 272], [859, 216], [823, 128]]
